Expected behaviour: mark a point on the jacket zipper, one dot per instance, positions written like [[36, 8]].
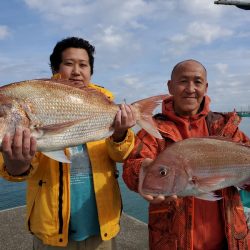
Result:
[[60, 216], [40, 183], [190, 126]]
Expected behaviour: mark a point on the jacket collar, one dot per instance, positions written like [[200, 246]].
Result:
[[169, 126]]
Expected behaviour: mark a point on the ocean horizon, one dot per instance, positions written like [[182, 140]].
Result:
[[12, 194]]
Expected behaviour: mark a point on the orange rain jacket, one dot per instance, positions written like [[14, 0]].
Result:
[[172, 224]]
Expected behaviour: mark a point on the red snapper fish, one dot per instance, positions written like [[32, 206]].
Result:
[[197, 167], [61, 116]]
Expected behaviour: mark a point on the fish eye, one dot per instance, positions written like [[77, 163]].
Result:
[[163, 172]]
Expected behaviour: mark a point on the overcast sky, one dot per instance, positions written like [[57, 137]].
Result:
[[137, 43]]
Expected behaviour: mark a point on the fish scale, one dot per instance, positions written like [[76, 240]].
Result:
[[197, 167], [60, 116]]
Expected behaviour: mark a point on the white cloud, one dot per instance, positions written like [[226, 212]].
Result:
[[78, 13], [137, 42], [198, 7], [4, 32], [229, 91], [136, 25], [70, 14], [109, 22], [204, 32], [14, 69], [132, 81], [111, 38], [131, 9], [114, 66], [221, 67], [61, 7], [196, 33], [244, 34]]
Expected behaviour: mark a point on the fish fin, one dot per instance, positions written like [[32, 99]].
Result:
[[205, 184], [146, 107], [244, 185], [209, 196], [58, 156], [55, 127]]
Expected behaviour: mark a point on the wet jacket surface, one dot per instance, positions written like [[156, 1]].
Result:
[[48, 191], [171, 224]]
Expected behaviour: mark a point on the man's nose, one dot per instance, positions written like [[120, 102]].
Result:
[[190, 88], [76, 69]]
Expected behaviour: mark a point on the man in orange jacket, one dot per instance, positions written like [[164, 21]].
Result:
[[189, 223]]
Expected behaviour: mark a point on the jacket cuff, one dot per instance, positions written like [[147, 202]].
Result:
[[129, 137], [4, 173], [119, 151]]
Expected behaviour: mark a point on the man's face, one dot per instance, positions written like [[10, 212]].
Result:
[[75, 67], [188, 87]]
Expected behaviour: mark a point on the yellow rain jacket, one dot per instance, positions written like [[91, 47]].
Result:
[[48, 190]]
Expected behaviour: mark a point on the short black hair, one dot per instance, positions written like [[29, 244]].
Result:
[[71, 42], [188, 60]]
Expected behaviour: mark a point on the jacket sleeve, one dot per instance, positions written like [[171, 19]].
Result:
[[239, 136], [29, 173], [146, 146], [231, 128], [118, 152]]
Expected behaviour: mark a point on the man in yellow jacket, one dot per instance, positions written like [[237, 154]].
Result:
[[77, 205]]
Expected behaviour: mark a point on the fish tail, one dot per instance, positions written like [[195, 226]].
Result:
[[146, 108]]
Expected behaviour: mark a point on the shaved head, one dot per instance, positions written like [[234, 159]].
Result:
[[188, 86], [176, 67]]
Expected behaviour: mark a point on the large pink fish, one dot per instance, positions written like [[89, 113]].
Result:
[[61, 116], [197, 167]]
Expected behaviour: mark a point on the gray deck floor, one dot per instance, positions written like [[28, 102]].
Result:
[[14, 236]]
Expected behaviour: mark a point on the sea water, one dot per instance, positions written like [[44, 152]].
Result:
[[13, 194]]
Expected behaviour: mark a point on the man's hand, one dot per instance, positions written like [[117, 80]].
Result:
[[150, 198], [18, 151], [124, 120]]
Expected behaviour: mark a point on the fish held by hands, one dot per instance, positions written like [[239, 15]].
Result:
[[197, 167], [61, 116]]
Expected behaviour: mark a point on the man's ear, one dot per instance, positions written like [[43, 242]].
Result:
[[170, 87], [206, 87]]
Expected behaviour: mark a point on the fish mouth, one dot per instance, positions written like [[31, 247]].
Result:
[[152, 191], [151, 186]]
